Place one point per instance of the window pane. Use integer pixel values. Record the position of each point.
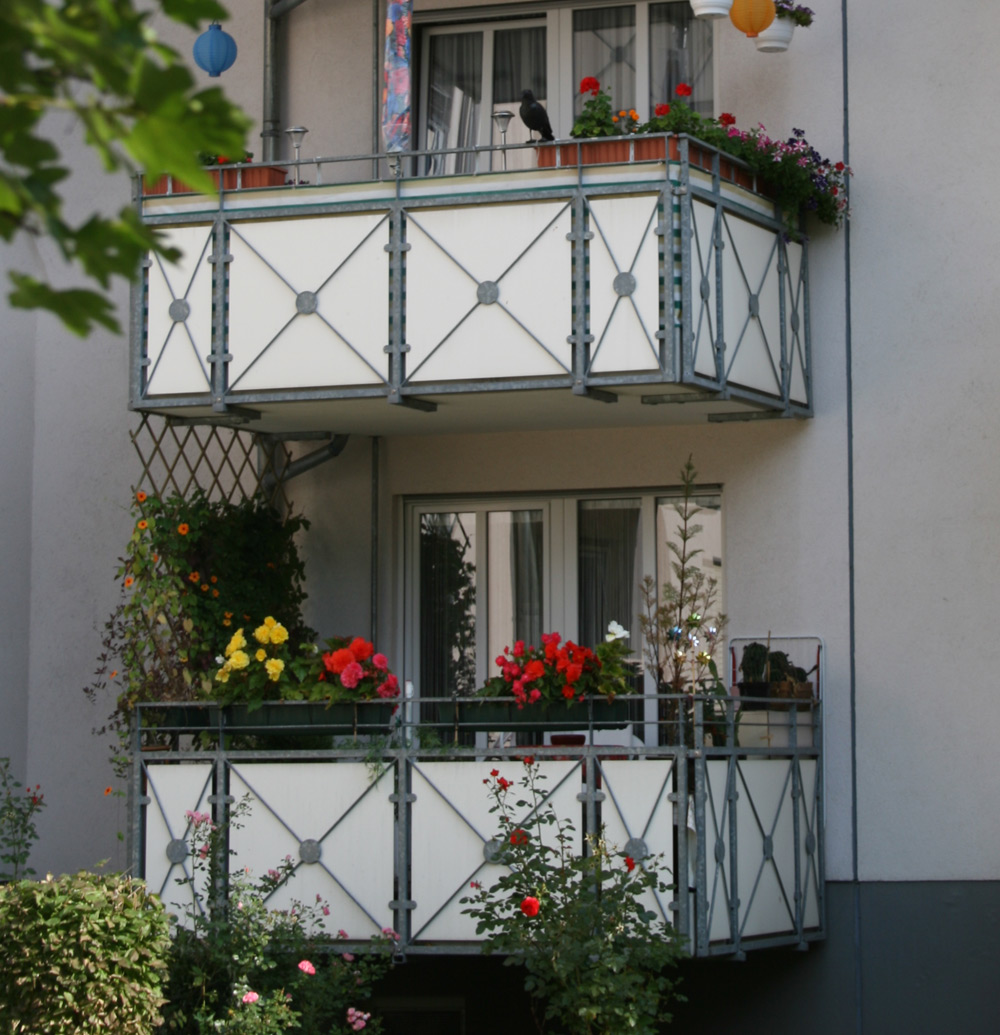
(454, 98)
(515, 579)
(447, 604)
(680, 51)
(518, 64)
(604, 47)
(608, 566)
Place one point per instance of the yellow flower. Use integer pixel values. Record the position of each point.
(270, 622)
(238, 642)
(275, 666)
(261, 654)
(239, 659)
(278, 633)
(222, 676)
(262, 634)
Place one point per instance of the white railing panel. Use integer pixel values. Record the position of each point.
(339, 259)
(174, 790)
(178, 348)
(452, 332)
(703, 311)
(624, 325)
(809, 823)
(347, 814)
(718, 883)
(637, 807)
(795, 322)
(452, 825)
(753, 345)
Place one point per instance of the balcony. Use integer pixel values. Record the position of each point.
(387, 818)
(397, 304)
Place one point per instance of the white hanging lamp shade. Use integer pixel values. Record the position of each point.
(711, 8)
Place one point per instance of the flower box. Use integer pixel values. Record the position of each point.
(273, 716)
(638, 149)
(249, 176)
(492, 713)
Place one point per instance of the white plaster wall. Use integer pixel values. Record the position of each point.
(926, 378)
(17, 400)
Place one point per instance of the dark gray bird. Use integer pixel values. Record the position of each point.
(535, 117)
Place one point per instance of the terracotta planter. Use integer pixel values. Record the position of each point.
(252, 176)
(642, 149)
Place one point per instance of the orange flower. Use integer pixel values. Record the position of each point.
(183, 528)
(215, 592)
(113, 674)
(128, 581)
(140, 497)
(143, 525)
(107, 791)
(633, 114)
(214, 579)
(204, 587)
(194, 577)
(614, 118)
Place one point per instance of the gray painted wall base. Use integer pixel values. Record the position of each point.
(928, 964)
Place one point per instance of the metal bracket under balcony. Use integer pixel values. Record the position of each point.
(502, 300)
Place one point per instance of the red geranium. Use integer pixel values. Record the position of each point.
(360, 674)
(530, 905)
(588, 84)
(726, 119)
(683, 90)
(661, 109)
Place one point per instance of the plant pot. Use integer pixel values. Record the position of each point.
(711, 8)
(776, 37)
(342, 717)
(791, 694)
(492, 713)
(252, 176)
(639, 148)
(750, 689)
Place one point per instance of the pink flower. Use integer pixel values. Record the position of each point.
(390, 933)
(348, 957)
(306, 967)
(251, 997)
(352, 675)
(380, 661)
(342, 933)
(326, 911)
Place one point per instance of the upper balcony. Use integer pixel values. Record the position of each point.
(484, 301)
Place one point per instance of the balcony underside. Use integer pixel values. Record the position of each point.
(549, 298)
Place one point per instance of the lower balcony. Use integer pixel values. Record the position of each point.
(386, 817)
(474, 302)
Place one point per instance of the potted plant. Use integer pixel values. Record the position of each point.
(228, 179)
(597, 120)
(559, 684)
(771, 674)
(778, 35)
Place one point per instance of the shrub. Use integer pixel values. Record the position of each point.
(84, 953)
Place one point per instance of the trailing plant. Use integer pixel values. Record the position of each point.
(17, 823)
(239, 966)
(193, 570)
(595, 956)
(558, 672)
(83, 953)
(801, 15)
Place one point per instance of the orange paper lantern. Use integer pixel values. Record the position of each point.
(751, 16)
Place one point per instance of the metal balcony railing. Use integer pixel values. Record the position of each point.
(670, 279)
(363, 800)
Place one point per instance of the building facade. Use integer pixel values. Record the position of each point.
(855, 497)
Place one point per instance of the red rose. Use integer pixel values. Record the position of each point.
(530, 906)
(629, 863)
(683, 90)
(662, 109)
(519, 837)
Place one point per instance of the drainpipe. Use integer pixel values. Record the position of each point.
(271, 114)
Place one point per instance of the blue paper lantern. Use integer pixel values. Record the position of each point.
(215, 50)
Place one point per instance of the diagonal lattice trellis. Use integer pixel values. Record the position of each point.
(225, 463)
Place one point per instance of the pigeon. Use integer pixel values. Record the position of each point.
(534, 116)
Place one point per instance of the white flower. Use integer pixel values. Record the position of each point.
(219, 659)
(615, 632)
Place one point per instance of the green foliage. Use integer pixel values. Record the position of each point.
(597, 119)
(594, 954)
(82, 954)
(797, 13)
(17, 823)
(193, 572)
(99, 63)
(240, 967)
